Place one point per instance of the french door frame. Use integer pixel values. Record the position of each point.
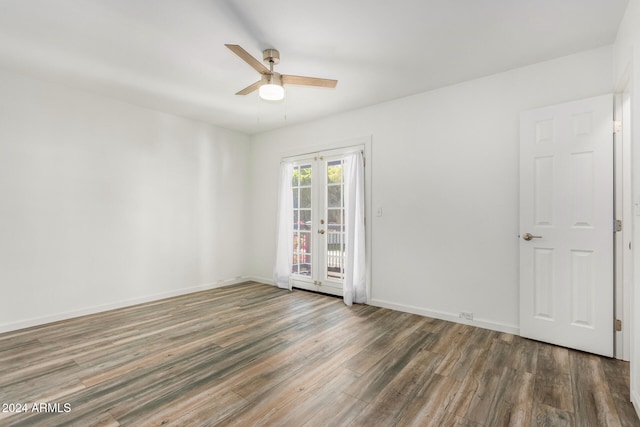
(334, 151)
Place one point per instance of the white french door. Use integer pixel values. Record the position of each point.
(319, 222)
(566, 224)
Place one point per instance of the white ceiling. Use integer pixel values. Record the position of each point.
(169, 55)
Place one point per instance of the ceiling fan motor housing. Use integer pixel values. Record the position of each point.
(271, 56)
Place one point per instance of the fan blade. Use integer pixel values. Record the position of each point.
(250, 88)
(308, 81)
(246, 57)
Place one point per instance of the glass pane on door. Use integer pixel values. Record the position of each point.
(335, 221)
(302, 244)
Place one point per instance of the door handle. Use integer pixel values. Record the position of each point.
(320, 231)
(529, 236)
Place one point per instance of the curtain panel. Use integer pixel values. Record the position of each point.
(354, 284)
(284, 232)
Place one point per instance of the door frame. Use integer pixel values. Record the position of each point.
(623, 211)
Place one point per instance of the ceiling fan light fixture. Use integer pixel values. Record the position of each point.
(271, 92)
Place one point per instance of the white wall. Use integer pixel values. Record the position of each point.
(104, 204)
(627, 73)
(445, 172)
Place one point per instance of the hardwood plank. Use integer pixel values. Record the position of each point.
(460, 404)
(467, 356)
(429, 405)
(591, 395)
(452, 420)
(525, 355)
(511, 403)
(269, 408)
(293, 360)
(339, 412)
(553, 378)
(299, 412)
(617, 374)
(373, 382)
(485, 396)
(384, 342)
(548, 416)
(470, 370)
(404, 396)
(207, 407)
(456, 358)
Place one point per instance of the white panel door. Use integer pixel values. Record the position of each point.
(566, 225)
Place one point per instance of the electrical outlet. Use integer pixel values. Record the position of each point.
(467, 316)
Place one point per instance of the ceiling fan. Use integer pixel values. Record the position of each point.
(270, 84)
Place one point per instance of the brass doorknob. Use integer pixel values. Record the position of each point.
(529, 236)
(320, 231)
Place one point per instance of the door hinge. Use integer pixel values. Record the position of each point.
(618, 325)
(617, 126)
(617, 225)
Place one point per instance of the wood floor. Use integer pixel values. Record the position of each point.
(253, 354)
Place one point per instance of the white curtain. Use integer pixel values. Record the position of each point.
(354, 286)
(284, 231)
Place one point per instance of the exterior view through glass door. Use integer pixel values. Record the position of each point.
(318, 223)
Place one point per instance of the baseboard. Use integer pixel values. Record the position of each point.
(451, 317)
(635, 400)
(37, 321)
(260, 280)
